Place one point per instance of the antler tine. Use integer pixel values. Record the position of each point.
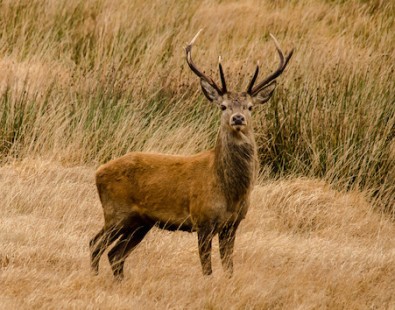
(195, 37)
(278, 48)
(283, 63)
(193, 67)
(221, 73)
(252, 82)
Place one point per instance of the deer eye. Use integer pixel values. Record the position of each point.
(223, 107)
(250, 108)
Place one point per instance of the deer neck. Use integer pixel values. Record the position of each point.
(235, 164)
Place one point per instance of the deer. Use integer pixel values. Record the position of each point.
(207, 193)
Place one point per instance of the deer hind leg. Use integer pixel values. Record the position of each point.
(93, 241)
(132, 236)
(226, 239)
(205, 237)
(100, 243)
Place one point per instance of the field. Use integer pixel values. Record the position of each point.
(82, 82)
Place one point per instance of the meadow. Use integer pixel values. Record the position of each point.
(82, 82)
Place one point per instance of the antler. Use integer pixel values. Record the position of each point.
(221, 73)
(283, 63)
(199, 73)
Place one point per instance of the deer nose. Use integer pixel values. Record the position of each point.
(238, 119)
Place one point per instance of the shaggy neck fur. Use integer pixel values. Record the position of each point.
(235, 160)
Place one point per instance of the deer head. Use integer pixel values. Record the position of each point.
(237, 106)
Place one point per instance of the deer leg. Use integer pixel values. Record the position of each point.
(125, 245)
(93, 241)
(100, 243)
(226, 239)
(205, 237)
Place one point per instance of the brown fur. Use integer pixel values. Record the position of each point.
(208, 193)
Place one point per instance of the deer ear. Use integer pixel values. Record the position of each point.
(265, 93)
(210, 92)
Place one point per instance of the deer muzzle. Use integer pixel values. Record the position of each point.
(238, 121)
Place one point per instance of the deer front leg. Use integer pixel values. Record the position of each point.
(227, 238)
(205, 237)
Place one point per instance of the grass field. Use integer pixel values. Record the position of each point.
(303, 245)
(82, 82)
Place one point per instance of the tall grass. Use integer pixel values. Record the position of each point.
(86, 81)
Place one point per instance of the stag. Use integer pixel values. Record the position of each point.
(207, 193)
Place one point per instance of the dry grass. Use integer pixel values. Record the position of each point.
(85, 81)
(303, 245)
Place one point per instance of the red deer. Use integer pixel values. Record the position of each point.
(207, 193)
